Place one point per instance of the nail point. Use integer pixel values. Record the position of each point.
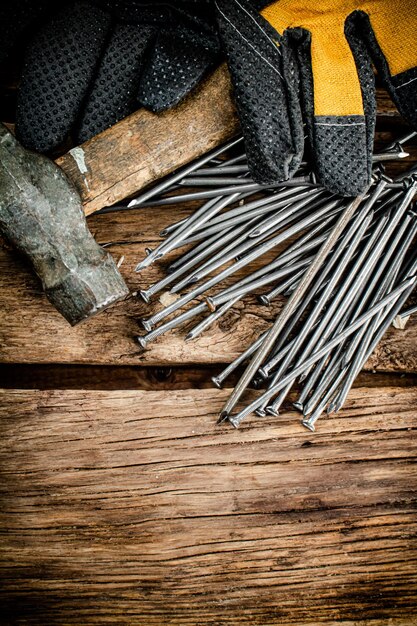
(222, 417)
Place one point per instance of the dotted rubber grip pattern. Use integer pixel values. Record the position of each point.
(95, 62)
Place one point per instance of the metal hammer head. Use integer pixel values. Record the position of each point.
(41, 214)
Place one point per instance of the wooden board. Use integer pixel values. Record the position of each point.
(119, 508)
(31, 331)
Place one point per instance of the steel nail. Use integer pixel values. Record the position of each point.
(349, 292)
(244, 286)
(346, 290)
(273, 409)
(172, 227)
(177, 238)
(249, 249)
(411, 311)
(274, 220)
(266, 298)
(220, 378)
(330, 372)
(225, 191)
(371, 340)
(180, 319)
(205, 323)
(312, 419)
(309, 384)
(354, 232)
(232, 218)
(353, 236)
(290, 307)
(381, 279)
(405, 287)
(213, 181)
(250, 256)
(201, 252)
(402, 140)
(248, 207)
(396, 152)
(222, 169)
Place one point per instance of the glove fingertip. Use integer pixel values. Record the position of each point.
(343, 159)
(266, 168)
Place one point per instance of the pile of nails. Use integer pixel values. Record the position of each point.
(347, 269)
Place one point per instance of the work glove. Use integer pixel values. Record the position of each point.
(92, 63)
(305, 68)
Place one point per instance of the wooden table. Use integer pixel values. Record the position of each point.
(124, 503)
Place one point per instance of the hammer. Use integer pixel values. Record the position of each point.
(43, 204)
(41, 214)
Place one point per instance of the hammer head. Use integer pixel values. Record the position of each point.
(41, 214)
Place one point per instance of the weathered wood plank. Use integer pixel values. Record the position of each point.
(118, 508)
(31, 331)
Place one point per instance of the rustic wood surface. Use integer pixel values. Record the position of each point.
(27, 321)
(31, 331)
(146, 146)
(117, 508)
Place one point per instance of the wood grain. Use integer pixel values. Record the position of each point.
(119, 508)
(31, 331)
(146, 146)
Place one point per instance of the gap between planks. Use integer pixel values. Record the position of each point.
(28, 376)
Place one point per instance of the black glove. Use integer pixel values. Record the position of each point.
(310, 63)
(92, 63)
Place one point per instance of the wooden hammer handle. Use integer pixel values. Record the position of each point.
(144, 146)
